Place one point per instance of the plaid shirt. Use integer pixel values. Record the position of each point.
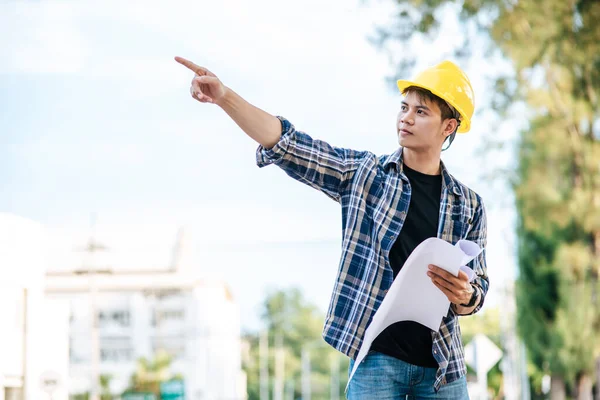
(375, 194)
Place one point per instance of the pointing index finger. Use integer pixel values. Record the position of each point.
(190, 65)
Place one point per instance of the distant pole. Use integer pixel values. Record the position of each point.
(598, 375)
(306, 390)
(263, 351)
(92, 247)
(289, 390)
(24, 349)
(95, 357)
(279, 368)
(335, 377)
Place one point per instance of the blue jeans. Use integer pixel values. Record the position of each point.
(383, 377)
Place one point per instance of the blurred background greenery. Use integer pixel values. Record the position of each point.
(553, 47)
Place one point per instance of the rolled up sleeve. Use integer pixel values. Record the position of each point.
(311, 161)
(265, 156)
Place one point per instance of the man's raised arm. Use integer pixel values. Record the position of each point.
(261, 126)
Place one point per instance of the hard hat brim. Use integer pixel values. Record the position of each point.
(465, 123)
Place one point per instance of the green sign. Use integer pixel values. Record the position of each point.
(172, 390)
(138, 396)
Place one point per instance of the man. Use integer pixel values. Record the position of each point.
(389, 205)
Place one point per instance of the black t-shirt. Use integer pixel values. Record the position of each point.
(408, 340)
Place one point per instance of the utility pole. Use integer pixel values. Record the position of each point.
(279, 368)
(289, 390)
(91, 248)
(263, 351)
(306, 389)
(95, 340)
(335, 377)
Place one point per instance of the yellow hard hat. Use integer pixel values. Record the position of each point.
(447, 81)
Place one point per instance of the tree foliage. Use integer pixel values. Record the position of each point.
(297, 325)
(150, 373)
(554, 50)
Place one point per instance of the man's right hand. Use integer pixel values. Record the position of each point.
(206, 87)
(258, 124)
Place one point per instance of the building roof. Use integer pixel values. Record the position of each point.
(123, 281)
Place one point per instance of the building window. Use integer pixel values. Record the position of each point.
(114, 317)
(113, 355)
(75, 355)
(115, 349)
(168, 316)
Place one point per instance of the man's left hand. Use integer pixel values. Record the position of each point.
(456, 288)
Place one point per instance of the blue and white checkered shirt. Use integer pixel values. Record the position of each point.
(375, 194)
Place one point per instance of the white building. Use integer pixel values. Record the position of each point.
(34, 352)
(140, 312)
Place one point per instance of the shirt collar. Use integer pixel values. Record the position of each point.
(395, 159)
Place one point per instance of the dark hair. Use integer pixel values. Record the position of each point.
(426, 95)
(446, 110)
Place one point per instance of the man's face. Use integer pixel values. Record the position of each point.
(419, 124)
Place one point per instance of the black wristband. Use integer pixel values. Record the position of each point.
(473, 299)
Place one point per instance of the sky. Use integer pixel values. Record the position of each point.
(96, 118)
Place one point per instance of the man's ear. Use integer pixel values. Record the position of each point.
(450, 127)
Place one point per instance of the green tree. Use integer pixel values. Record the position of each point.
(297, 325)
(554, 50)
(105, 393)
(149, 374)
